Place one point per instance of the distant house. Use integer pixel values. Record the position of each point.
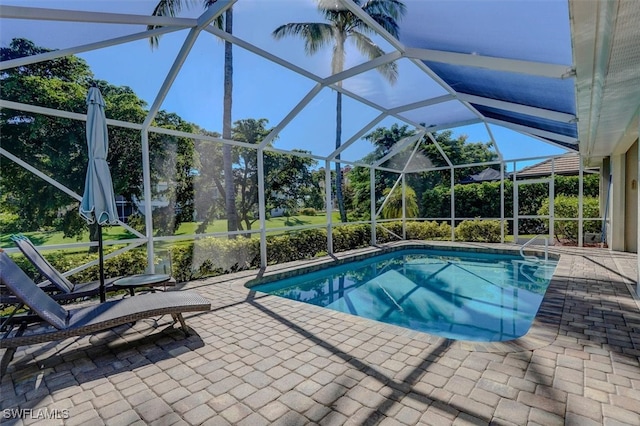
(566, 166)
(487, 175)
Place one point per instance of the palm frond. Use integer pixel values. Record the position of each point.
(170, 8)
(393, 8)
(315, 35)
(386, 13)
(389, 24)
(367, 47)
(219, 21)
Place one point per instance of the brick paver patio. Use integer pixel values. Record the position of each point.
(259, 359)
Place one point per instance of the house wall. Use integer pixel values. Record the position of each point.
(631, 199)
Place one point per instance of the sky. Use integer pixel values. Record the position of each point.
(263, 89)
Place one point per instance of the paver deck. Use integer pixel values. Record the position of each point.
(259, 359)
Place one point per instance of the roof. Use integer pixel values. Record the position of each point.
(606, 40)
(567, 166)
(487, 175)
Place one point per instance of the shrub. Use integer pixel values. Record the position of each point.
(384, 236)
(127, 263)
(477, 230)
(181, 261)
(296, 246)
(483, 199)
(350, 237)
(428, 231)
(415, 231)
(308, 211)
(9, 223)
(136, 221)
(567, 207)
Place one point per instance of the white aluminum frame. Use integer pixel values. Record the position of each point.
(202, 24)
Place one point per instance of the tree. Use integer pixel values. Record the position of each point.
(383, 139)
(176, 169)
(209, 181)
(393, 208)
(172, 8)
(57, 146)
(288, 176)
(459, 152)
(343, 25)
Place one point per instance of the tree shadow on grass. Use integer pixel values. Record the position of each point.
(295, 221)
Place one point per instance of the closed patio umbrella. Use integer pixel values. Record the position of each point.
(98, 201)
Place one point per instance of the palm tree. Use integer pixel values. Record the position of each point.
(342, 25)
(172, 8)
(393, 208)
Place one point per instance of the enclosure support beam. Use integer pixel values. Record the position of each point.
(54, 54)
(327, 192)
(552, 200)
(618, 202)
(404, 207)
(519, 108)
(372, 186)
(489, 62)
(535, 132)
(262, 210)
(398, 181)
(43, 14)
(357, 136)
(502, 202)
(580, 203)
(292, 114)
(515, 205)
(41, 175)
(453, 206)
(453, 125)
(495, 143)
(203, 20)
(440, 150)
(386, 200)
(399, 146)
(148, 211)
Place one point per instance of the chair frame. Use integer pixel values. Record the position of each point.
(64, 323)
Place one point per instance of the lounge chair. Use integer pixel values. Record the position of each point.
(61, 288)
(62, 323)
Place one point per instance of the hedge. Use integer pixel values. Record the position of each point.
(483, 199)
(216, 256)
(567, 207)
(486, 231)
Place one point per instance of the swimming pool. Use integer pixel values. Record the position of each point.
(455, 294)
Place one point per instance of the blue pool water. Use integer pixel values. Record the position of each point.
(458, 295)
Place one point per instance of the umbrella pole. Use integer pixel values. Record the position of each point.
(101, 261)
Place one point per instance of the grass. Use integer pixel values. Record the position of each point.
(188, 228)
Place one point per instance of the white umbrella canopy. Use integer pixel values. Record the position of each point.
(98, 201)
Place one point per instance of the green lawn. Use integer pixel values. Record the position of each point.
(119, 233)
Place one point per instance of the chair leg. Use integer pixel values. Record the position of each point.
(183, 325)
(6, 359)
(8, 355)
